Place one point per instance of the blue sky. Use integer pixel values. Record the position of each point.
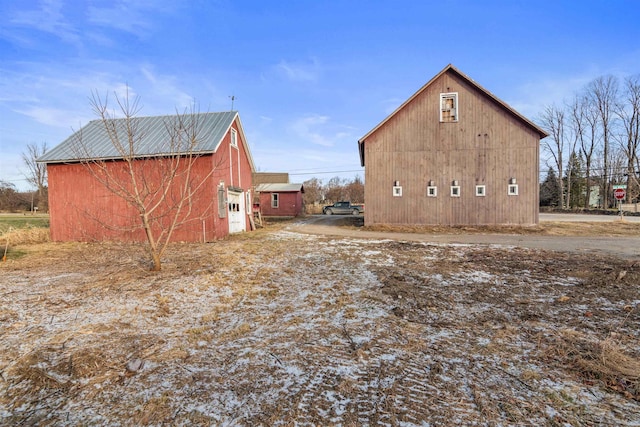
(309, 77)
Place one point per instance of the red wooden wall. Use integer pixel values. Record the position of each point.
(83, 209)
(290, 204)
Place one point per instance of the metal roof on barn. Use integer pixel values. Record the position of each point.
(151, 137)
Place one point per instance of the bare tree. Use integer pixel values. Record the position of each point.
(37, 172)
(159, 191)
(553, 121)
(603, 93)
(588, 143)
(577, 125)
(354, 190)
(618, 164)
(334, 190)
(313, 192)
(9, 197)
(629, 113)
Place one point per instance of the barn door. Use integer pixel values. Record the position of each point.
(236, 212)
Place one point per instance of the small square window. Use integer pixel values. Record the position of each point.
(512, 189)
(397, 191)
(481, 190)
(432, 191)
(455, 191)
(449, 107)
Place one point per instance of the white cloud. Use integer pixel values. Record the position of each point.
(47, 17)
(299, 72)
(49, 116)
(78, 24)
(127, 16)
(531, 97)
(307, 130)
(167, 87)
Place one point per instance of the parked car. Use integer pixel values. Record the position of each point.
(343, 208)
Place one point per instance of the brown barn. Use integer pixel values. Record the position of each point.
(83, 209)
(280, 199)
(452, 154)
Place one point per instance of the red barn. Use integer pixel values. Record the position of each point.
(280, 199)
(85, 173)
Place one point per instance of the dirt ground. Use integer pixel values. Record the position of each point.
(599, 236)
(279, 327)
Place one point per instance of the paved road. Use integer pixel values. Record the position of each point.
(625, 247)
(585, 218)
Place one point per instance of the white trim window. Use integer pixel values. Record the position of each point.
(234, 138)
(275, 200)
(397, 191)
(481, 190)
(432, 191)
(512, 190)
(455, 191)
(449, 107)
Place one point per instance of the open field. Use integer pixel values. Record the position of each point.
(16, 221)
(281, 328)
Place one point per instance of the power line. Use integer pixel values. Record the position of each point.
(323, 173)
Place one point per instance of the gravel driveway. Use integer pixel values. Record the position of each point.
(625, 247)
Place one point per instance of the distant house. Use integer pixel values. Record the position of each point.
(452, 154)
(82, 209)
(278, 199)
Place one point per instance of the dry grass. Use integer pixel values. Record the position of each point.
(613, 228)
(20, 237)
(602, 361)
(279, 328)
(25, 236)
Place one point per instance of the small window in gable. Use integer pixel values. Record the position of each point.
(234, 138)
(449, 107)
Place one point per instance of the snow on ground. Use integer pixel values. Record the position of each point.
(283, 328)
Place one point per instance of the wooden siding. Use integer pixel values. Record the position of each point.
(486, 146)
(289, 204)
(82, 209)
(270, 178)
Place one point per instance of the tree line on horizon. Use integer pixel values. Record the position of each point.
(593, 145)
(335, 190)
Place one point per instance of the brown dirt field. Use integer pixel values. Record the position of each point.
(281, 328)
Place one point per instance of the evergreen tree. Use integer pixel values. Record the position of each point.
(549, 194)
(577, 187)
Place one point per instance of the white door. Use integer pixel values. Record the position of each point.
(236, 212)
